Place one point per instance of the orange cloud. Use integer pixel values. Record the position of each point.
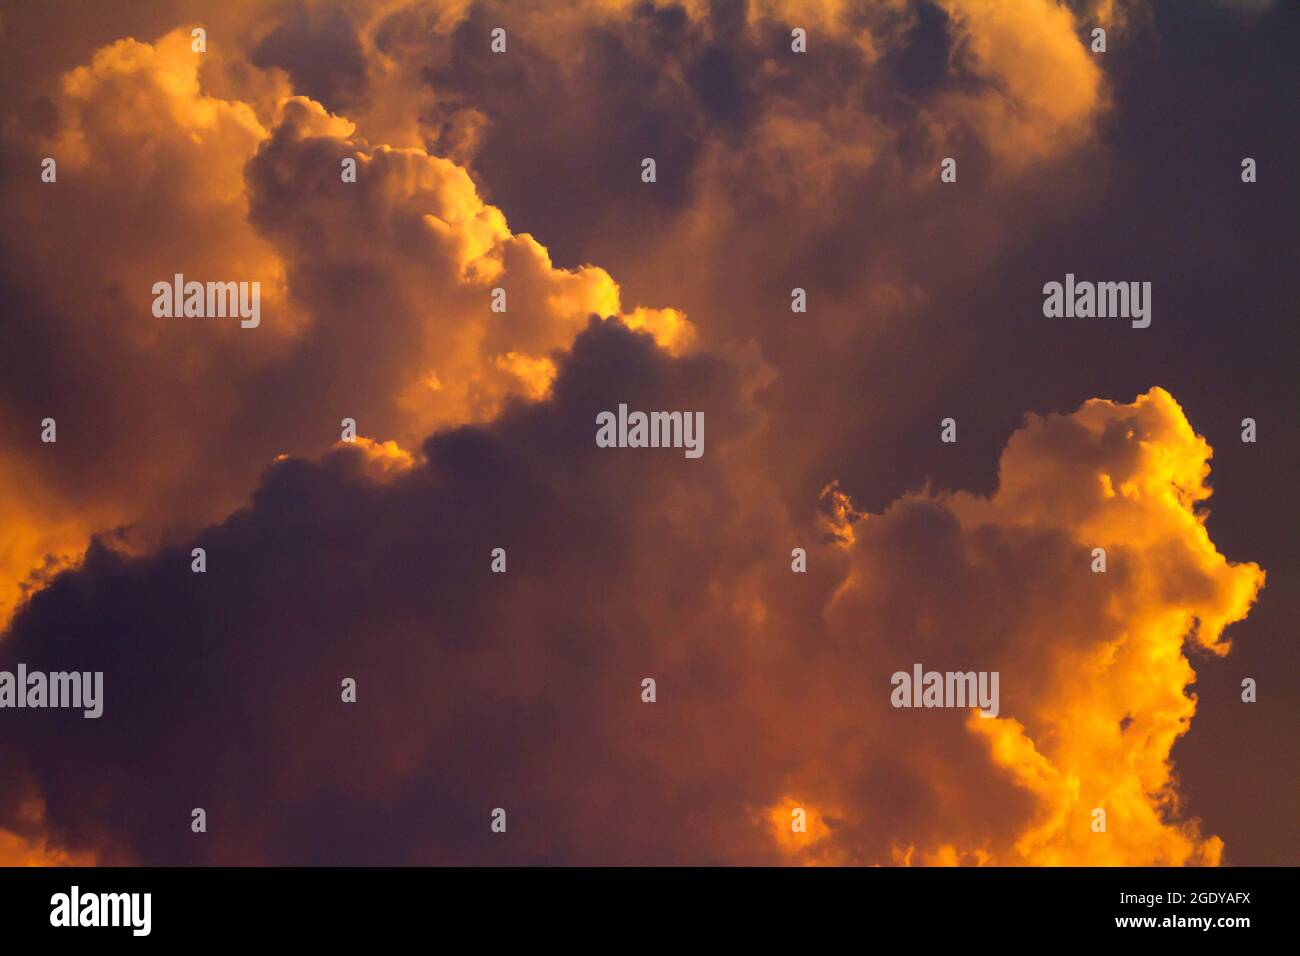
(376, 304)
(1047, 86)
(17, 849)
(1095, 676)
(801, 832)
(149, 155)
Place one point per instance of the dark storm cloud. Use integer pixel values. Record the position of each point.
(476, 690)
(653, 81)
(617, 97)
(320, 50)
(522, 690)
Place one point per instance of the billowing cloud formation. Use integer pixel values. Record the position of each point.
(522, 690)
(376, 298)
(1093, 674)
(776, 170)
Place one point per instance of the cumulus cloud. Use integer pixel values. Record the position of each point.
(375, 297)
(521, 690)
(776, 171)
(1094, 675)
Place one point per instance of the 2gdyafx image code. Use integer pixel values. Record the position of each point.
(624, 433)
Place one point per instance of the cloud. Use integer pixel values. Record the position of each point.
(320, 50)
(522, 690)
(1096, 673)
(375, 297)
(420, 638)
(1044, 87)
(776, 170)
(413, 241)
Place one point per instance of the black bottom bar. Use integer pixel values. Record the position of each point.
(668, 906)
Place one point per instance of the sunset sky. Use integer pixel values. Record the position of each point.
(776, 170)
